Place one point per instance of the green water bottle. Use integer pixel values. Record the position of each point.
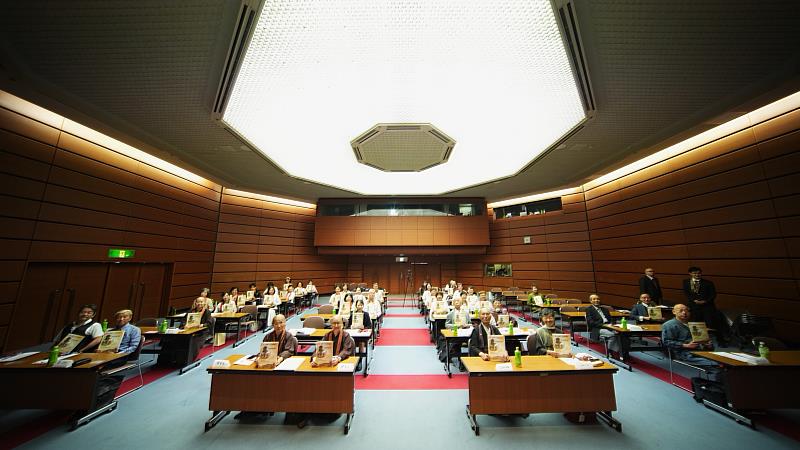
(517, 357)
(763, 350)
(104, 325)
(162, 327)
(623, 324)
(510, 329)
(53, 357)
(455, 329)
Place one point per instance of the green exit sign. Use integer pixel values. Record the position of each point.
(121, 253)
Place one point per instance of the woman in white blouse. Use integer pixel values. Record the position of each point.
(271, 297)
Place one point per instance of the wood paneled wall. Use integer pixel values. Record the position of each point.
(260, 241)
(64, 198)
(731, 207)
(558, 259)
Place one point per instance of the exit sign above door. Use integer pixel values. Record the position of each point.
(121, 253)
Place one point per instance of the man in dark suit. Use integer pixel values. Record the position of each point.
(596, 317)
(479, 340)
(700, 297)
(649, 284)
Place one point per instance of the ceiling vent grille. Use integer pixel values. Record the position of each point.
(570, 32)
(403, 147)
(245, 24)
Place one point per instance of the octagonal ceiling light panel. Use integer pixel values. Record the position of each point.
(402, 147)
(494, 75)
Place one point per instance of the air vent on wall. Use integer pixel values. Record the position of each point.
(244, 26)
(569, 30)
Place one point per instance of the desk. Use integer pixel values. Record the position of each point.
(572, 316)
(24, 385)
(750, 388)
(178, 349)
(306, 390)
(542, 385)
(363, 337)
(624, 336)
(222, 319)
(449, 338)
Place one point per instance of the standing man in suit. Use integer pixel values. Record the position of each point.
(649, 284)
(700, 296)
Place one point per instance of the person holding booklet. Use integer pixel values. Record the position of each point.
(541, 342)
(639, 312)
(85, 326)
(479, 340)
(337, 297)
(677, 337)
(228, 304)
(360, 319)
(287, 344)
(343, 343)
(131, 335)
(271, 297)
(200, 306)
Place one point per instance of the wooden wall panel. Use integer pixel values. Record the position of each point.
(67, 199)
(260, 241)
(729, 207)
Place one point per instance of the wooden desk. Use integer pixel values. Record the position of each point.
(751, 388)
(224, 318)
(178, 349)
(572, 316)
(306, 390)
(624, 336)
(24, 385)
(543, 384)
(361, 338)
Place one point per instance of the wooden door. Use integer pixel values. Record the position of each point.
(85, 284)
(400, 274)
(122, 288)
(35, 320)
(150, 292)
(430, 272)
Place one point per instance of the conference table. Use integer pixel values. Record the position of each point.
(221, 321)
(363, 337)
(756, 387)
(305, 389)
(179, 347)
(625, 337)
(543, 384)
(83, 389)
(462, 337)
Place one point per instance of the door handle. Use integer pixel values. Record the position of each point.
(130, 295)
(45, 323)
(141, 298)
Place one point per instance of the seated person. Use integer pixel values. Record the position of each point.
(256, 292)
(639, 311)
(596, 317)
(541, 342)
(479, 340)
(439, 305)
(86, 326)
(459, 316)
(471, 299)
(200, 306)
(346, 307)
(483, 303)
(287, 344)
(677, 338)
(367, 322)
(311, 289)
(372, 306)
(300, 293)
(358, 295)
(132, 335)
(343, 343)
(228, 303)
(204, 295)
(497, 309)
(337, 297)
(535, 299)
(271, 298)
(287, 285)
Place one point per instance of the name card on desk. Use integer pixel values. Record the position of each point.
(504, 367)
(464, 332)
(173, 330)
(221, 364)
(345, 367)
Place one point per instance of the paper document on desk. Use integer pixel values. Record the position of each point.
(302, 331)
(290, 364)
(345, 367)
(243, 361)
(578, 364)
(634, 328)
(359, 333)
(17, 356)
(745, 358)
(464, 332)
(44, 361)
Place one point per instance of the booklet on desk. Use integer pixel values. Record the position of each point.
(268, 354)
(497, 347)
(324, 353)
(562, 344)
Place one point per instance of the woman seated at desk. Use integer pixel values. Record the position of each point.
(343, 343)
(228, 303)
(366, 323)
(346, 306)
(200, 306)
(271, 297)
(358, 295)
(372, 306)
(541, 342)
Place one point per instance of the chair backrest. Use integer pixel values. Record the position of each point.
(314, 322)
(250, 309)
(569, 309)
(134, 356)
(573, 301)
(771, 343)
(147, 322)
(557, 301)
(325, 309)
(550, 296)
